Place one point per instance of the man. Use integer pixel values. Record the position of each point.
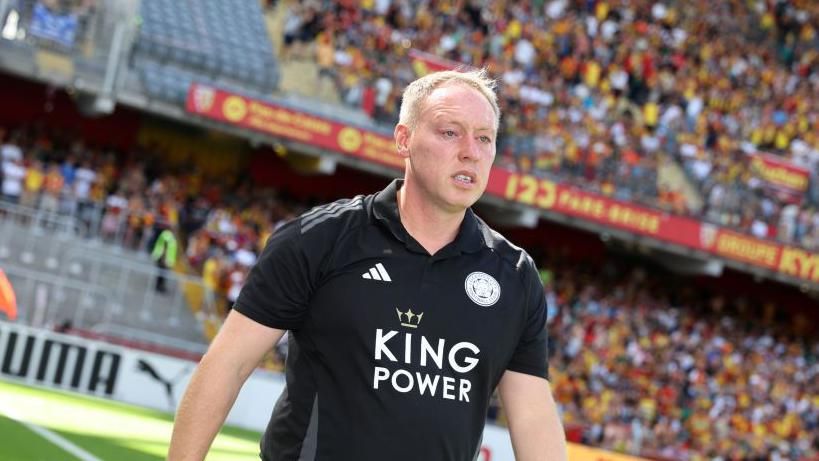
(14, 173)
(164, 255)
(405, 311)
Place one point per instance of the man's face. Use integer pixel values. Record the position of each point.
(451, 148)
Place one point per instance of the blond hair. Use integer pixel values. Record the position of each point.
(418, 91)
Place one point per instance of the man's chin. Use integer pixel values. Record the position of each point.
(460, 204)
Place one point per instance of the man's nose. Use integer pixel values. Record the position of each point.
(470, 149)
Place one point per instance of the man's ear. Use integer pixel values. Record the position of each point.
(402, 135)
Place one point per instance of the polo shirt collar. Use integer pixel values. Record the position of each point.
(470, 238)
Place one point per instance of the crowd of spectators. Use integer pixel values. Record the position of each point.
(125, 198)
(679, 374)
(226, 236)
(97, 191)
(604, 92)
(635, 367)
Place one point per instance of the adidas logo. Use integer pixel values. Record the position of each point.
(377, 273)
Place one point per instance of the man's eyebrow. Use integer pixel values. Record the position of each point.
(460, 124)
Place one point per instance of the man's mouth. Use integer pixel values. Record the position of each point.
(464, 178)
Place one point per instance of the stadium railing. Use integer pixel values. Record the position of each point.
(85, 222)
(61, 275)
(37, 220)
(46, 300)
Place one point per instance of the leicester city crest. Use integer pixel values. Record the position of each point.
(482, 289)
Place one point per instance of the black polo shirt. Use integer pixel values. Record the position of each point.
(393, 353)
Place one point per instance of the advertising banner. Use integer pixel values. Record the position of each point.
(568, 200)
(298, 126)
(799, 263)
(45, 358)
(740, 247)
(781, 176)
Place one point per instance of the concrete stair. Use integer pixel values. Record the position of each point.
(672, 176)
(299, 75)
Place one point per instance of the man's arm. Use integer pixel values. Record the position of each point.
(231, 358)
(534, 425)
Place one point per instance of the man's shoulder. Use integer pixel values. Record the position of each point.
(505, 249)
(334, 215)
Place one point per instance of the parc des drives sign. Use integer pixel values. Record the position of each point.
(276, 120)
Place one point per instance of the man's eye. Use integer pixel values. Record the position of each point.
(485, 139)
(449, 133)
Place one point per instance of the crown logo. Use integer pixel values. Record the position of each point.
(409, 315)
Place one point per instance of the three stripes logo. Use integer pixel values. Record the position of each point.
(321, 214)
(377, 273)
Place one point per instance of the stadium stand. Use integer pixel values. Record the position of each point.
(602, 95)
(643, 368)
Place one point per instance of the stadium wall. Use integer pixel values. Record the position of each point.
(45, 358)
(26, 103)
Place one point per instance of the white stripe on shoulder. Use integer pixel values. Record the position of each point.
(325, 208)
(330, 209)
(312, 221)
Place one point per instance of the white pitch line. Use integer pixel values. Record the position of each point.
(52, 437)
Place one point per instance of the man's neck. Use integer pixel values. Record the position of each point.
(430, 227)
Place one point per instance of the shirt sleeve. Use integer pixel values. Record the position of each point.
(280, 284)
(531, 354)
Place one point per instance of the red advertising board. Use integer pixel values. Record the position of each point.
(526, 189)
(299, 126)
(568, 200)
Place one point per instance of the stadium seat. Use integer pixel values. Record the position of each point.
(211, 38)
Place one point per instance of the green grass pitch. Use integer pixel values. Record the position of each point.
(107, 430)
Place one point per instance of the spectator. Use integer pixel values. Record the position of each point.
(32, 185)
(13, 175)
(164, 254)
(10, 150)
(53, 184)
(113, 218)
